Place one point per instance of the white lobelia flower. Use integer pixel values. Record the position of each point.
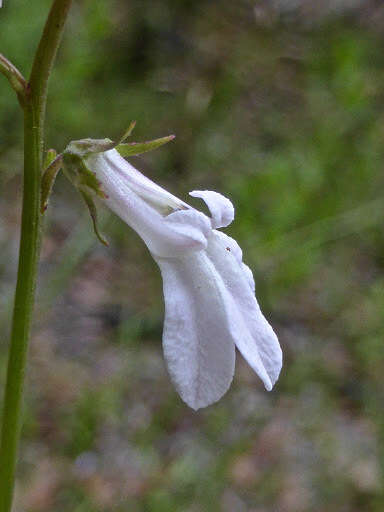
(210, 304)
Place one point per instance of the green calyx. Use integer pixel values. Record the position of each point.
(73, 163)
(137, 148)
(86, 147)
(78, 173)
(84, 180)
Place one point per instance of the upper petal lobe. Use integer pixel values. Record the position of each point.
(221, 208)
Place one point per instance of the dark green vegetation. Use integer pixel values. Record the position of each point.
(283, 111)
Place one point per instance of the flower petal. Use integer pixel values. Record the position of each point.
(162, 200)
(197, 341)
(253, 335)
(249, 276)
(221, 208)
(191, 224)
(132, 198)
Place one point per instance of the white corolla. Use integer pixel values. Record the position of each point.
(210, 304)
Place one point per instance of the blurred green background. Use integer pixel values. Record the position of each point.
(278, 105)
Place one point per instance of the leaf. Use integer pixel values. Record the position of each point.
(137, 148)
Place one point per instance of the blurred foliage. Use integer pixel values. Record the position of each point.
(278, 105)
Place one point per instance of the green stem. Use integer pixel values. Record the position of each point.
(34, 114)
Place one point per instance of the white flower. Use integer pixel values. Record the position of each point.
(210, 304)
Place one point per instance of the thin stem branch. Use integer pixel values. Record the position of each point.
(15, 78)
(34, 114)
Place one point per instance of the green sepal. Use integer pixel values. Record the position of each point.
(88, 178)
(49, 177)
(50, 155)
(80, 175)
(93, 212)
(128, 132)
(84, 180)
(86, 147)
(137, 148)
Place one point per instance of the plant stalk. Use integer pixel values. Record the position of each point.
(34, 114)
